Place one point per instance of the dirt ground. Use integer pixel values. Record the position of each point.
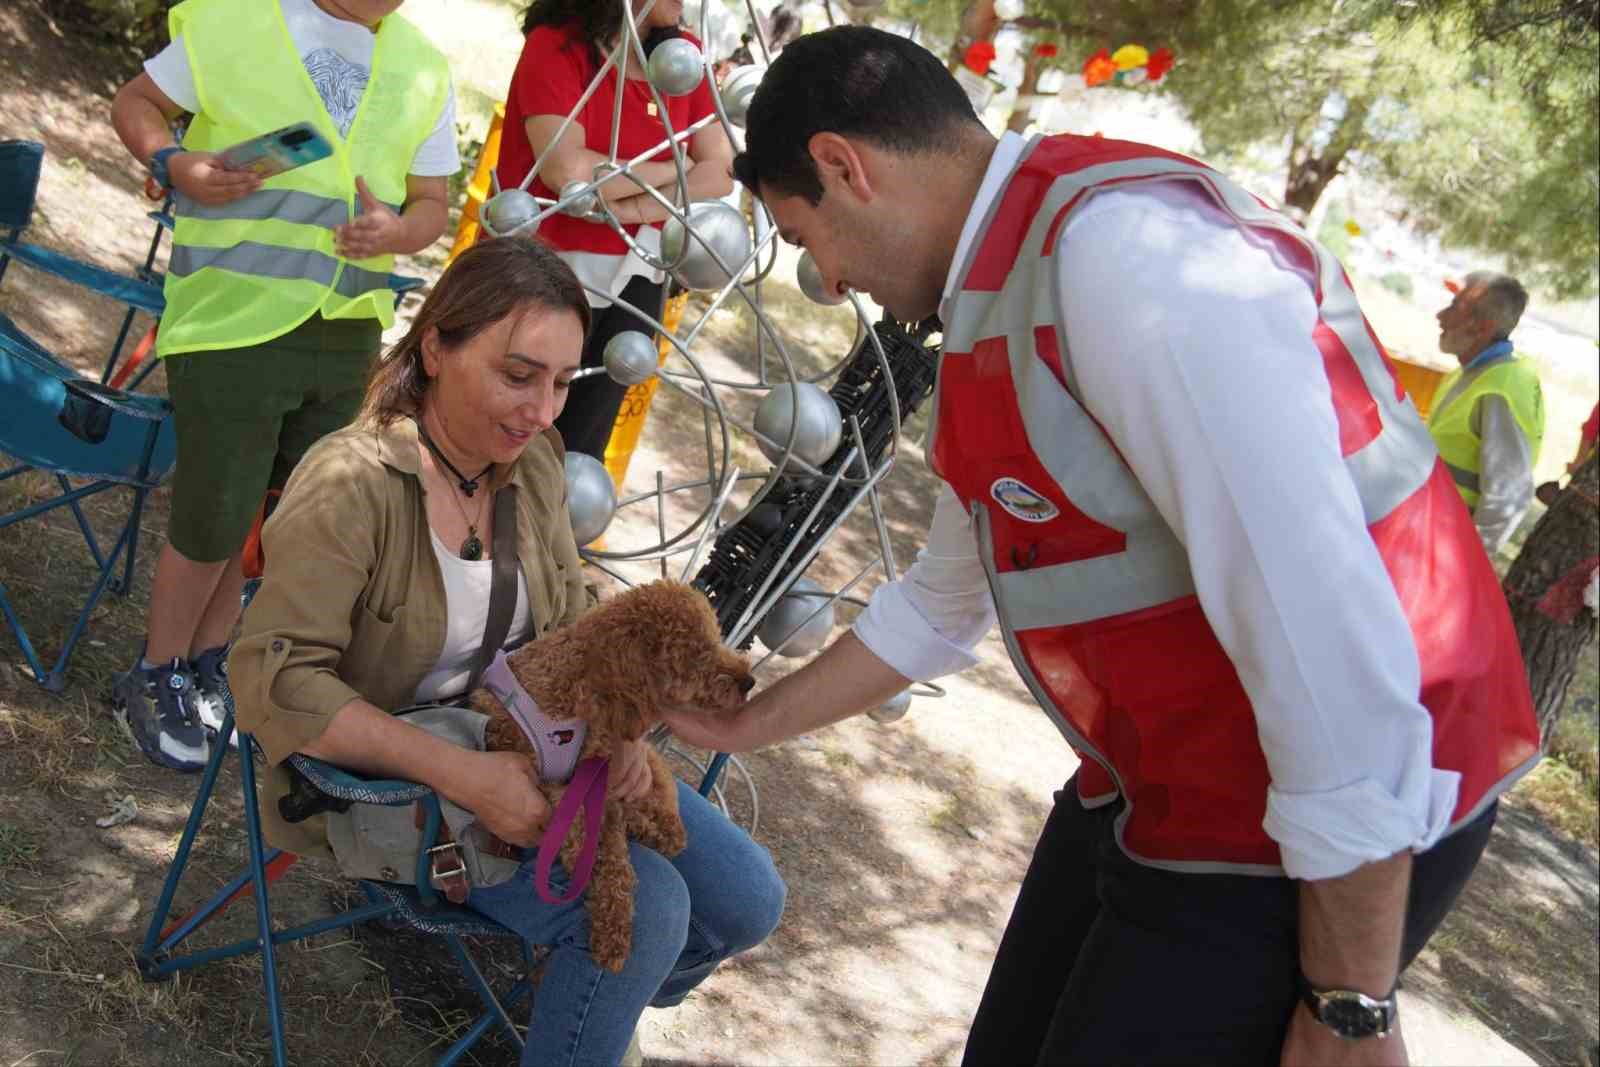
(902, 845)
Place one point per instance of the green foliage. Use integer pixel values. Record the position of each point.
(139, 23)
(1398, 283)
(1332, 235)
(1484, 124)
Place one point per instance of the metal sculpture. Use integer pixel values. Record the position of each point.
(830, 438)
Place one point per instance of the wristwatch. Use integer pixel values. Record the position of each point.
(158, 164)
(1350, 1014)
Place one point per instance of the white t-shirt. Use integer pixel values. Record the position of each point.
(338, 56)
(466, 597)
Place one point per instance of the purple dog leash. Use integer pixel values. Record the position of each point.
(587, 790)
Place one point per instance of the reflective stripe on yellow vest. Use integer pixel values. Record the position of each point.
(249, 271)
(1452, 424)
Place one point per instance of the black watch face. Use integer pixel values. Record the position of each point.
(1350, 1017)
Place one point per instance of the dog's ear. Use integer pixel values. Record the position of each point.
(616, 689)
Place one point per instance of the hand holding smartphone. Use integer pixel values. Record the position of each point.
(279, 151)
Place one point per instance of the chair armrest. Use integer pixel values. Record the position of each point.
(340, 784)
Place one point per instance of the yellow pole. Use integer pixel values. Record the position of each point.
(478, 188)
(636, 402)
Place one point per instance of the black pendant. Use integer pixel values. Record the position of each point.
(472, 548)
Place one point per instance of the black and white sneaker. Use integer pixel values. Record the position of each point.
(158, 706)
(210, 681)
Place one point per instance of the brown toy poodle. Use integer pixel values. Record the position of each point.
(650, 647)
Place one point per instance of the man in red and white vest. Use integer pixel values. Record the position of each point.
(1221, 548)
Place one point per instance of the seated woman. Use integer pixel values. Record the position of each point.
(376, 597)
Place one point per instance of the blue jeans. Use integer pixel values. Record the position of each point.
(720, 896)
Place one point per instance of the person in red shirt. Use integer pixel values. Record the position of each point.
(1587, 437)
(567, 43)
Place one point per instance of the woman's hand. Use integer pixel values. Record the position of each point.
(630, 775)
(508, 800)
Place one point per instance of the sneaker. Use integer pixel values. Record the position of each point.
(158, 706)
(210, 679)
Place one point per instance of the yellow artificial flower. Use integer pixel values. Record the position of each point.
(1129, 56)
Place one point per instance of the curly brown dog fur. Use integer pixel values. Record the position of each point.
(651, 647)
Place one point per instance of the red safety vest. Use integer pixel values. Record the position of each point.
(1093, 589)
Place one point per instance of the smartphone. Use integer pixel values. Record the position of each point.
(278, 151)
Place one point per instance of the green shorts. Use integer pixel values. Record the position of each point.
(245, 416)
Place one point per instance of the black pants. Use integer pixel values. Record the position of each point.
(593, 402)
(1108, 961)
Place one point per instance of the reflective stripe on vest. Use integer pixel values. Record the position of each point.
(1106, 630)
(1153, 569)
(247, 271)
(1451, 422)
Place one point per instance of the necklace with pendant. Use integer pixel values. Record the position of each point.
(472, 547)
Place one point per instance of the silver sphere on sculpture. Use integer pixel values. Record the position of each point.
(676, 67)
(892, 710)
(811, 283)
(508, 212)
(630, 358)
(591, 498)
(738, 89)
(788, 618)
(576, 202)
(719, 225)
(820, 426)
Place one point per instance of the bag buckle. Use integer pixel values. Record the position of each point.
(434, 862)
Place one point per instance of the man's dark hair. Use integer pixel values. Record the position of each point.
(850, 80)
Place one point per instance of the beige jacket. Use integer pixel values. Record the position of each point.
(353, 601)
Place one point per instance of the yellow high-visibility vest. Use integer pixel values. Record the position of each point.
(246, 272)
(1451, 425)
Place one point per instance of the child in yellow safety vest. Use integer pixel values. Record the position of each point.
(277, 288)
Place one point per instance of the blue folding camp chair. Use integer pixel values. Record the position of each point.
(420, 908)
(54, 421)
(20, 165)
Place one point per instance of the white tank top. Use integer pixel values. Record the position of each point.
(466, 592)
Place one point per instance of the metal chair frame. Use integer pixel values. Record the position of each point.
(422, 908)
(14, 344)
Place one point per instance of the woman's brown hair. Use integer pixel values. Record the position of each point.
(486, 283)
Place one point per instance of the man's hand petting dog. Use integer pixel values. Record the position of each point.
(630, 772)
(709, 729)
(509, 803)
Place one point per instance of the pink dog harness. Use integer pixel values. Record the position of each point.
(558, 742)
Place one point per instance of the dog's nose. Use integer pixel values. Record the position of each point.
(746, 684)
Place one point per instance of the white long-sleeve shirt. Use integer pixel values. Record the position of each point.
(1505, 463)
(1191, 346)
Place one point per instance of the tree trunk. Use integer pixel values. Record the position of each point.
(1310, 172)
(1022, 111)
(1558, 553)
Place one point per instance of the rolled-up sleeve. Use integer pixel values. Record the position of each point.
(321, 548)
(1204, 373)
(926, 624)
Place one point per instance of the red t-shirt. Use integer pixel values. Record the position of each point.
(555, 68)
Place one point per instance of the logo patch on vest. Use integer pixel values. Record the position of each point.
(1021, 502)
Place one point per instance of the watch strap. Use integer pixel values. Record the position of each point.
(1349, 1013)
(158, 164)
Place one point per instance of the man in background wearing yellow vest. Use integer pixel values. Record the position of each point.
(277, 289)
(1489, 419)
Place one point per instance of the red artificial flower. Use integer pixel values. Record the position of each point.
(1045, 51)
(1160, 62)
(1099, 68)
(980, 55)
